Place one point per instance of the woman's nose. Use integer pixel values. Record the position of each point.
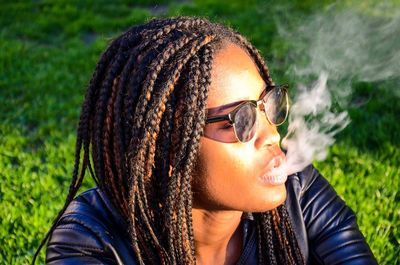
(266, 133)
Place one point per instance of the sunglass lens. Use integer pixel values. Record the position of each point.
(245, 120)
(276, 105)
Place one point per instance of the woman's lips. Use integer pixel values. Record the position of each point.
(274, 175)
(273, 179)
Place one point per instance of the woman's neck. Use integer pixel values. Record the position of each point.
(217, 236)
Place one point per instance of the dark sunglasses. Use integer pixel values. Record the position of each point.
(274, 103)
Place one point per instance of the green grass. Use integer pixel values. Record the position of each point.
(48, 52)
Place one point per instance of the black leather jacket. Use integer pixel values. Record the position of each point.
(92, 232)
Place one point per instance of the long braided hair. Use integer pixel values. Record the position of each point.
(141, 122)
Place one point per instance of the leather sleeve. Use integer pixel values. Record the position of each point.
(332, 230)
(72, 242)
(87, 234)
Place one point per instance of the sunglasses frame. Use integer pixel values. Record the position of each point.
(255, 103)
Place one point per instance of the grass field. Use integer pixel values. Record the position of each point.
(48, 50)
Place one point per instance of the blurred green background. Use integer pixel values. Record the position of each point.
(48, 51)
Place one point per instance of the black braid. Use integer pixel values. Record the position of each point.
(143, 115)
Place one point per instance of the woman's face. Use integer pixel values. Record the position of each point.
(228, 175)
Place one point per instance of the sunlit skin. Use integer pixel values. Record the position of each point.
(229, 184)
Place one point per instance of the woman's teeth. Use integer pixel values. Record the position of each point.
(274, 179)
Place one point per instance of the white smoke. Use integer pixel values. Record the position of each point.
(336, 47)
(312, 126)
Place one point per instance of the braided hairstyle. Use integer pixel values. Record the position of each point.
(141, 121)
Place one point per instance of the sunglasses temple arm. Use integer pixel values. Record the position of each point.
(217, 119)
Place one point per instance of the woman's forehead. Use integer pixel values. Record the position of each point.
(234, 77)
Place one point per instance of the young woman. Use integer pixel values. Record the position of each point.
(178, 129)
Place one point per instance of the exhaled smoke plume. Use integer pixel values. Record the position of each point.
(312, 126)
(337, 47)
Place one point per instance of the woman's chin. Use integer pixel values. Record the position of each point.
(273, 197)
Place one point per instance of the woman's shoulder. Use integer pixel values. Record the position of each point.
(304, 179)
(313, 197)
(90, 231)
(323, 221)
